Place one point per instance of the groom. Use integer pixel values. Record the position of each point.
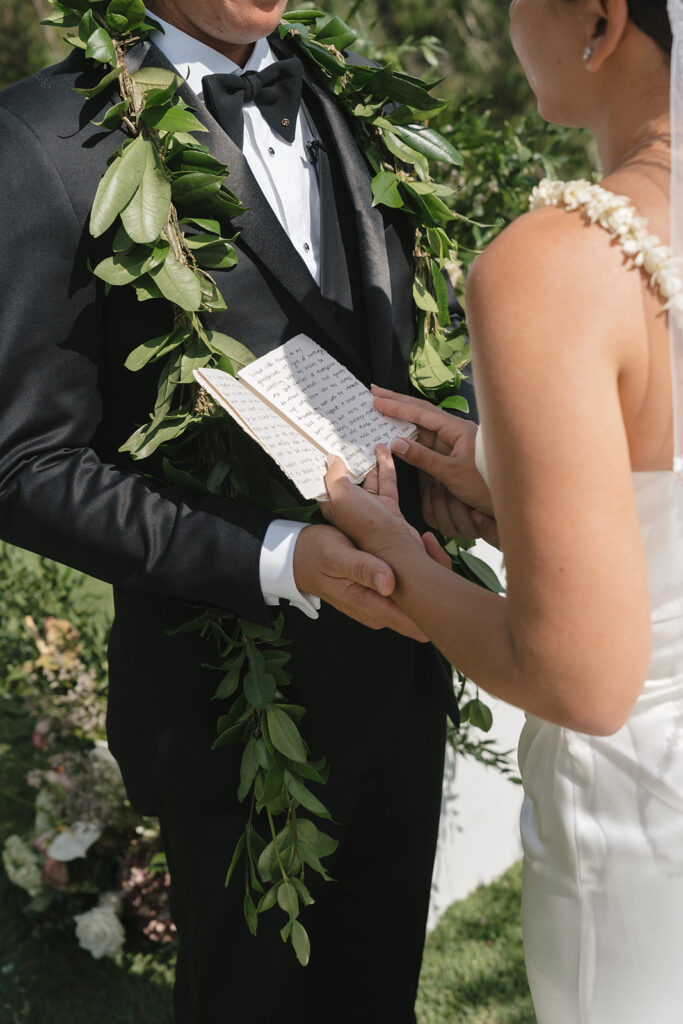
(314, 257)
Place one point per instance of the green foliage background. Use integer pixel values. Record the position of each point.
(476, 54)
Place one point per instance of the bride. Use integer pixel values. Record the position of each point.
(569, 316)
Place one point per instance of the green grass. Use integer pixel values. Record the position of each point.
(473, 969)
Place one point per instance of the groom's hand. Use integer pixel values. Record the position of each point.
(329, 565)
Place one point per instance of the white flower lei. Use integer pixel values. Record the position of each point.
(616, 215)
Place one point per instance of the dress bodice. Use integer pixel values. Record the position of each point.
(659, 501)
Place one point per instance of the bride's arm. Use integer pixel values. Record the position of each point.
(554, 319)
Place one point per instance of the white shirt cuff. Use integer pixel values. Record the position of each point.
(276, 568)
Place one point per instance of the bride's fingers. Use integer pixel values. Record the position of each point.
(453, 518)
(415, 454)
(415, 410)
(435, 551)
(386, 472)
(387, 393)
(487, 528)
(430, 439)
(427, 505)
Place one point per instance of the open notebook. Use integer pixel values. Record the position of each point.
(300, 405)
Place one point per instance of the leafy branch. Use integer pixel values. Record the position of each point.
(389, 112)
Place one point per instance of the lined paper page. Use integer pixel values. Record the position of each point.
(322, 397)
(303, 463)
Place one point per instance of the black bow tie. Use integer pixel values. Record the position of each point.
(276, 91)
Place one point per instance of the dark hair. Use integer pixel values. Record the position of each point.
(652, 18)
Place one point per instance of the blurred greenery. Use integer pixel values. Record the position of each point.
(30, 585)
(476, 53)
(25, 47)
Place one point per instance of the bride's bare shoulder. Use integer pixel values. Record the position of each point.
(548, 243)
(553, 258)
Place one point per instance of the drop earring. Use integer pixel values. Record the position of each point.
(587, 53)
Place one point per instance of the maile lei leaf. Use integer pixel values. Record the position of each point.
(163, 170)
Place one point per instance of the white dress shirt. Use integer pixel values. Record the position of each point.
(288, 180)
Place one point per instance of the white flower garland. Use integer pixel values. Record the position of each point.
(616, 215)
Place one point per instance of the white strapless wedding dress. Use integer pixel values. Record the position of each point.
(602, 824)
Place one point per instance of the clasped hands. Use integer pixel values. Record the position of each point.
(348, 564)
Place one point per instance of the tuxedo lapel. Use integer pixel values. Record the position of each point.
(335, 283)
(260, 231)
(370, 229)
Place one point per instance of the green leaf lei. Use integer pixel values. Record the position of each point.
(160, 170)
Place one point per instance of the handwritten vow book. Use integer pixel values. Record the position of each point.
(301, 405)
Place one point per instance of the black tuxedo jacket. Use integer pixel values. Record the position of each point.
(68, 403)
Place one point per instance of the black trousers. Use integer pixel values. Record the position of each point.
(367, 926)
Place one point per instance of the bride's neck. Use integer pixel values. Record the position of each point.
(630, 117)
(642, 139)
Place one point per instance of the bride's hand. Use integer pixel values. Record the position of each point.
(455, 497)
(370, 515)
(451, 517)
(444, 447)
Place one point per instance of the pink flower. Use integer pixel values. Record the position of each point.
(40, 731)
(55, 873)
(41, 842)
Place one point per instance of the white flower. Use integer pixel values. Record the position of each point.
(668, 280)
(631, 246)
(48, 810)
(577, 193)
(74, 842)
(101, 752)
(675, 308)
(618, 220)
(110, 901)
(655, 256)
(102, 757)
(21, 865)
(99, 932)
(546, 193)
